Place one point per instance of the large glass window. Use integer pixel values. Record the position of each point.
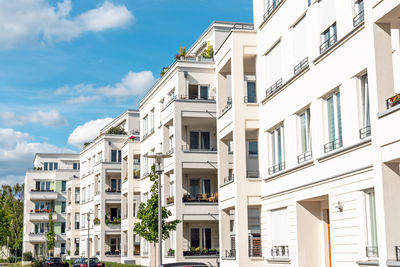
(253, 148)
(63, 186)
(328, 37)
(277, 146)
(194, 188)
(63, 206)
(305, 140)
(206, 238)
(365, 110)
(273, 65)
(206, 186)
(334, 122)
(115, 155)
(198, 91)
(251, 92)
(372, 233)
(195, 237)
(76, 166)
(199, 140)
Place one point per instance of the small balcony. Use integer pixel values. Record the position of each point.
(229, 178)
(274, 5)
(41, 216)
(358, 19)
(186, 148)
(332, 145)
(365, 132)
(301, 66)
(229, 254)
(199, 252)
(328, 43)
(37, 238)
(250, 99)
(43, 195)
(304, 157)
(276, 168)
(196, 97)
(280, 251)
(201, 198)
(393, 101)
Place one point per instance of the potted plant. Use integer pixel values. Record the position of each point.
(208, 52)
(171, 252)
(186, 197)
(96, 221)
(182, 53)
(170, 200)
(163, 71)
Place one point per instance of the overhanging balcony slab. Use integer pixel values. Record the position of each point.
(43, 195)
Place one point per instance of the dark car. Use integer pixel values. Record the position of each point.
(53, 262)
(82, 262)
(184, 264)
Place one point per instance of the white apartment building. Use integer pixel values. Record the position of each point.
(45, 192)
(95, 223)
(327, 72)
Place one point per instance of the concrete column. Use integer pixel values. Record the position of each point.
(221, 92)
(224, 231)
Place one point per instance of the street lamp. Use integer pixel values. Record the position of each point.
(159, 158)
(88, 237)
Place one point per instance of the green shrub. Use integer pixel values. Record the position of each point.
(37, 263)
(12, 259)
(27, 256)
(116, 130)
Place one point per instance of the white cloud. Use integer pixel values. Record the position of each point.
(87, 132)
(49, 118)
(24, 21)
(133, 84)
(17, 150)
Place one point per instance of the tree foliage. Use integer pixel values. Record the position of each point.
(50, 235)
(116, 130)
(208, 52)
(148, 214)
(11, 217)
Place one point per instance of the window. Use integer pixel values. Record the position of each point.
(195, 237)
(206, 186)
(172, 239)
(171, 189)
(328, 37)
(279, 232)
(43, 185)
(206, 238)
(270, 5)
(254, 226)
(77, 221)
(277, 155)
(63, 206)
(358, 13)
(41, 228)
(63, 227)
(304, 136)
(115, 155)
(115, 185)
(334, 122)
(199, 140)
(251, 92)
(84, 194)
(365, 130)
(145, 125)
(43, 206)
(198, 91)
(152, 120)
(63, 186)
(50, 166)
(372, 234)
(77, 194)
(145, 247)
(62, 248)
(253, 148)
(273, 68)
(161, 108)
(300, 45)
(76, 166)
(171, 95)
(89, 192)
(194, 188)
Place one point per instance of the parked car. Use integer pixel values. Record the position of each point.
(53, 262)
(82, 262)
(184, 264)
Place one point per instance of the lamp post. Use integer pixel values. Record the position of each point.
(159, 158)
(88, 238)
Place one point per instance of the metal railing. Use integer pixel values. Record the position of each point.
(393, 101)
(304, 157)
(276, 168)
(273, 87)
(255, 252)
(186, 97)
(230, 253)
(328, 43)
(186, 148)
(269, 11)
(358, 19)
(301, 66)
(170, 151)
(252, 174)
(332, 145)
(228, 105)
(229, 178)
(371, 252)
(280, 251)
(250, 99)
(397, 252)
(241, 26)
(365, 132)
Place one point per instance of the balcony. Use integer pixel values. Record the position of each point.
(196, 98)
(365, 132)
(304, 157)
(229, 178)
(37, 238)
(276, 168)
(186, 148)
(252, 174)
(195, 59)
(230, 254)
(372, 252)
(358, 19)
(301, 66)
(43, 195)
(273, 88)
(335, 144)
(393, 101)
(41, 216)
(250, 99)
(199, 252)
(328, 43)
(201, 198)
(280, 251)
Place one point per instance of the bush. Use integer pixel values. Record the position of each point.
(116, 130)
(37, 263)
(12, 259)
(27, 256)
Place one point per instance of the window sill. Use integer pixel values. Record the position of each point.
(371, 263)
(392, 263)
(228, 258)
(343, 150)
(279, 260)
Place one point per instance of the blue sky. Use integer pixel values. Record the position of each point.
(68, 66)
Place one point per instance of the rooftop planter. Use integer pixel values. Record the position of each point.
(96, 221)
(182, 53)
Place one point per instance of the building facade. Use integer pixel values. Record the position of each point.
(46, 192)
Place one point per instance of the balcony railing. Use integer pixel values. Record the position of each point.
(280, 251)
(328, 43)
(335, 144)
(358, 19)
(229, 178)
(393, 101)
(252, 174)
(276, 168)
(230, 253)
(301, 66)
(250, 99)
(201, 252)
(365, 132)
(304, 157)
(186, 97)
(241, 26)
(273, 88)
(372, 252)
(228, 105)
(269, 11)
(255, 252)
(194, 59)
(204, 198)
(397, 252)
(186, 148)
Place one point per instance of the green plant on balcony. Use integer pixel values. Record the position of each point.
(86, 144)
(208, 52)
(137, 173)
(181, 54)
(96, 221)
(170, 200)
(116, 220)
(163, 71)
(116, 130)
(171, 252)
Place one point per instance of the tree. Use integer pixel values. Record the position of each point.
(50, 235)
(148, 214)
(116, 130)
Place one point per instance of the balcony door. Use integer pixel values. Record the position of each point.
(251, 92)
